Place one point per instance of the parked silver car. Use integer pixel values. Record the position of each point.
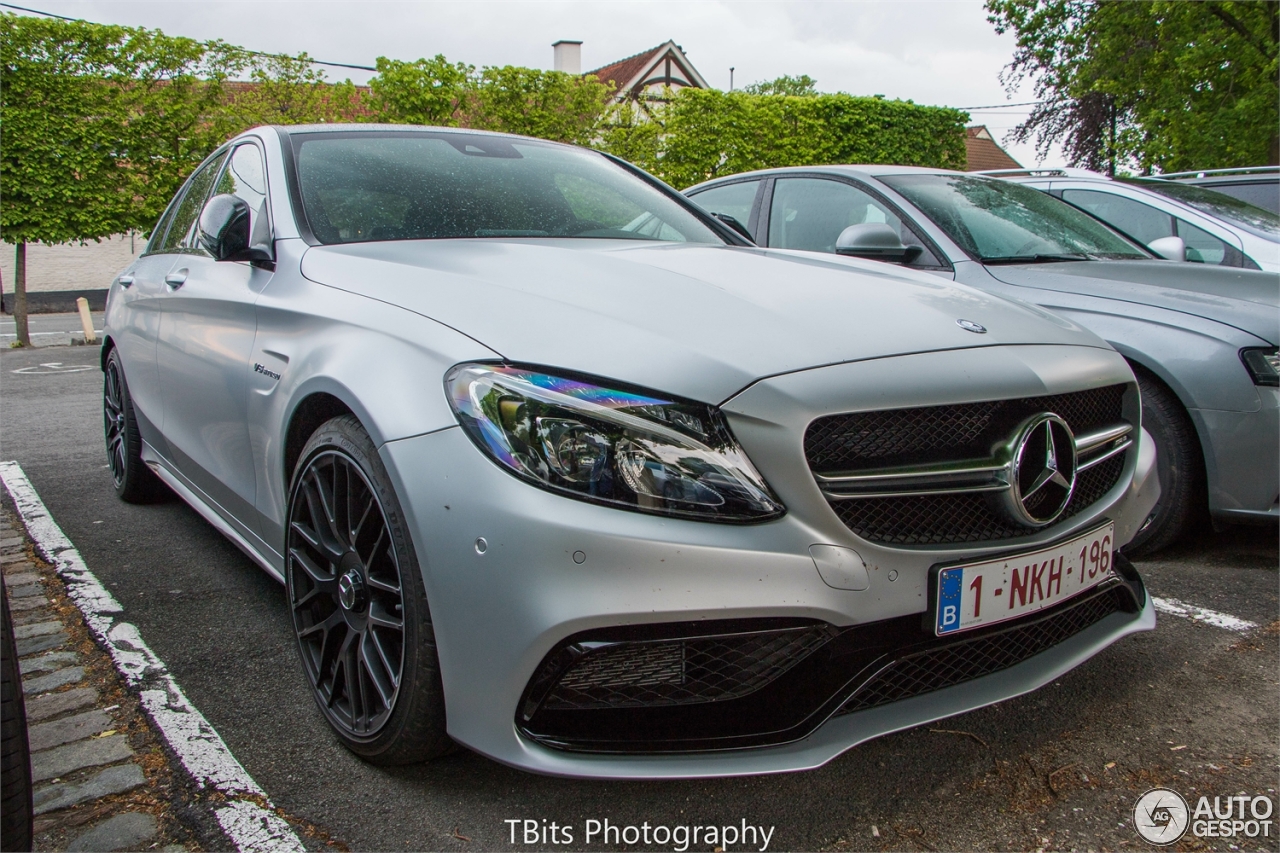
(1191, 223)
(558, 467)
(1202, 339)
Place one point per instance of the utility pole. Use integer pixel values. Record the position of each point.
(731, 78)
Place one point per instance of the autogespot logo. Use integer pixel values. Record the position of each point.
(1161, 816)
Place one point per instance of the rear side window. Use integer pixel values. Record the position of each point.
(736, 200)
(185, 212)
(1142, 222)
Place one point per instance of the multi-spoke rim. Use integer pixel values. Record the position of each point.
(345, 593)
(114, 421)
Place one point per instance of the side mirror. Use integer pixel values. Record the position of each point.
(875, 241)
(224, 231)
(735, 224)
(1170, 248)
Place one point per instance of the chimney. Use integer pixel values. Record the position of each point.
(568, 56)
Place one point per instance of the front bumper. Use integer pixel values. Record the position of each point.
(552, 567)
(1242, 459)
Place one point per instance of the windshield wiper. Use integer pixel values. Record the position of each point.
(1034, 259)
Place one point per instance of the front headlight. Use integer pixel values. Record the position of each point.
(614, 447)
(1263, 365)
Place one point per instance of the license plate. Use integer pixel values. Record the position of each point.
(981, 594)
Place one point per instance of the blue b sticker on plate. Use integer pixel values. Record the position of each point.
(949, 593)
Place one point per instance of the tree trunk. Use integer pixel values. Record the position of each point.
(20, 295)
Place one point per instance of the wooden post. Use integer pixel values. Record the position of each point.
(20, 294)
(86, 321)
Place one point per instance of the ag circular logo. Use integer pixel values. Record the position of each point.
(1161, 816)
(1043, 471)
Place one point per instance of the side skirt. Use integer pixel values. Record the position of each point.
(207, 510)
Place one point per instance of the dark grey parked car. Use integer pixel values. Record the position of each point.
(1259, 186)
(1201, 339)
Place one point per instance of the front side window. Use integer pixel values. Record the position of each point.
(179, 236)
(734, 200)
(360, 187)
(1204, 248)
(1142, 222)
(810, 213)
(996, 220)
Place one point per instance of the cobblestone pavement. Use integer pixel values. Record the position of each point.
(102, 780)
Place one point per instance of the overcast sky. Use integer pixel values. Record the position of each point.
(941, 52)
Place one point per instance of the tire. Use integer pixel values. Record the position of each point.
(15, 754)
(1179, 464)
(351, 568)
(134, 481)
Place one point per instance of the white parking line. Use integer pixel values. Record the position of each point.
(1174, 607)
(252, 827)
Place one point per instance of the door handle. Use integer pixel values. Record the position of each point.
(176, 279)
(126, 280)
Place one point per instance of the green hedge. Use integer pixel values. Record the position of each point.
(102, 123)
(702, 133)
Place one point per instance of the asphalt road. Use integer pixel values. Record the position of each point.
(1191, 706)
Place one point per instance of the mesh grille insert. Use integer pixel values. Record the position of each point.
(865, 440)
(966, 660)
(682, 672)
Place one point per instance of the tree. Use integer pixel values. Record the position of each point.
(290, 90)
(546, 104)
(1160, 85)
(99, 124)
(426, 91)
(802, 86)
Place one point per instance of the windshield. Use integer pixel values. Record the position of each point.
(998, 220)
(1255, 220)
(397, 185)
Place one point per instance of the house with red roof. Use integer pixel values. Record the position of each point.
(644, 75)
(983, 153)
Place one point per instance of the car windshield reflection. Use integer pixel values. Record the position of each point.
(429, 185)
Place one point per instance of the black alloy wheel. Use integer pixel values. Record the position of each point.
(134, 481)
(359, 611)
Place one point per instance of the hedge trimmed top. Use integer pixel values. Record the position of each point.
(102, 123)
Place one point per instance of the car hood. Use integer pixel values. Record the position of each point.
(698, 321)
(1245, 299)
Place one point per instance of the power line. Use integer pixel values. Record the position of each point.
(993, 106)
(249, 52)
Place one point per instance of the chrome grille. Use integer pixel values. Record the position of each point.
(959, 518)
(937, 475)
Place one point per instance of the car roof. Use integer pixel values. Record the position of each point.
(875, 170)
(299, 129)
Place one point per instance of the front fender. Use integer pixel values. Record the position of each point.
(384, 363)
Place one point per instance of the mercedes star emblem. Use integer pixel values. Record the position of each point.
(1043, 471)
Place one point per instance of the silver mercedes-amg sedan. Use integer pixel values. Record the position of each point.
(557, 466)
